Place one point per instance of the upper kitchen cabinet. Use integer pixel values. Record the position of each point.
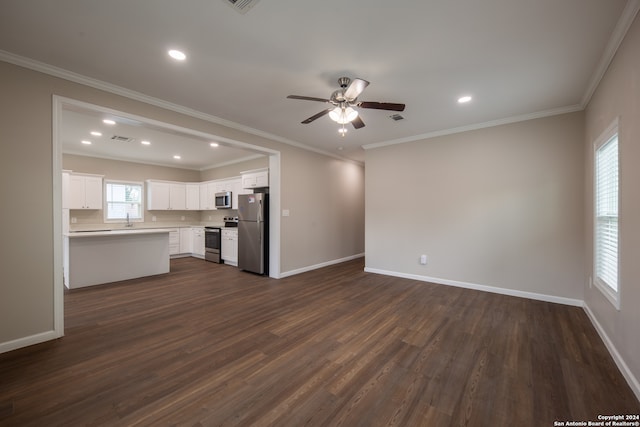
(209, 189)
(85, 191)
(164, 195)
(207, 194)
(192, 196)
(257, 178)
(234, 185)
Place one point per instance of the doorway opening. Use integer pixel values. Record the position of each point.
(234, 151)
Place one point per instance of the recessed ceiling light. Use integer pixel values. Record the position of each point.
(177, 157)
(108, 122)
(85, 142)
(214, 144)
(145, 142)
(177, 55)
(464, 99)
(96, 133)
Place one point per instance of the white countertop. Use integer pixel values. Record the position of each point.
(119, 232)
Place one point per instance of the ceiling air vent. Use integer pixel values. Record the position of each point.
(241, 6)
(121, 138)
(396, 117)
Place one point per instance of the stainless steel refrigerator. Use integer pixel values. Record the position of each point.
(253, 232)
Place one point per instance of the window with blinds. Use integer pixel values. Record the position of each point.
(606, 215)
(123, 201)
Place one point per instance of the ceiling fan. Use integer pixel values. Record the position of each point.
(343, 102)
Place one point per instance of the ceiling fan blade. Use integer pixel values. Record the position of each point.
(307, 98)
(355, 89)
(382, 106)
(357, 123)
(317, 116)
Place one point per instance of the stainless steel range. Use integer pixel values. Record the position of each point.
(212, 244)
(231, 221)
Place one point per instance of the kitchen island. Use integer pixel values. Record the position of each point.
(96, 257)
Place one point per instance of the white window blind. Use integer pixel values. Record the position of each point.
(606, 213)
(122, 199)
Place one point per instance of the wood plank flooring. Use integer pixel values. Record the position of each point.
(208, 345)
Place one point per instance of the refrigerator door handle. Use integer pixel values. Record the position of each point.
(259, 218)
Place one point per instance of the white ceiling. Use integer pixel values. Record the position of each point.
(517, 58)
(164, 143)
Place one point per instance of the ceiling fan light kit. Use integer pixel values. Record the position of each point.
(344, 100)
(343, 115)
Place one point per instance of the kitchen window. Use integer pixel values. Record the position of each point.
(124, 201)
(606, 215)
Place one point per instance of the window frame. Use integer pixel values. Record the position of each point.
(106, 202)
(611, 294)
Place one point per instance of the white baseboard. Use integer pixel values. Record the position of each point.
(27, 341)
(485, 288)
(613, 351)
(321, 265)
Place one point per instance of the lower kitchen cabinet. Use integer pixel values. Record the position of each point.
(174, 241)
(186, 240)
(230, 246)
(198, 242)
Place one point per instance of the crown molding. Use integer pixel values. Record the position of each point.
(620, 31)
(476, 126)
(157, 102)
(622, 27)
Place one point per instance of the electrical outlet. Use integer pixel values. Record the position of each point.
(182, 218)
(423, 259)
(153, 218)
(285, 212)
(74, 220)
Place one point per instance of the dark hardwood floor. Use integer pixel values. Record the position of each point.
(208, 345)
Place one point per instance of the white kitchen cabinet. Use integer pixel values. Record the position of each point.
(192, 196)
(234, 185)
(229, 247)
(198, 242)
(236, 188)
(157, 195)
(164, 195)
(85, 191)
(174, 241)
(223, 185)
(186, 240)
(177, 196)
(207, 193)
(258, 178)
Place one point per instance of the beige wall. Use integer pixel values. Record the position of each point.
(498, 207)
(26, 257)
(26, 172)
(618, 95)
(118, 169)
(321, 194)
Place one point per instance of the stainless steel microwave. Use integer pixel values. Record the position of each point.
(223, 200)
